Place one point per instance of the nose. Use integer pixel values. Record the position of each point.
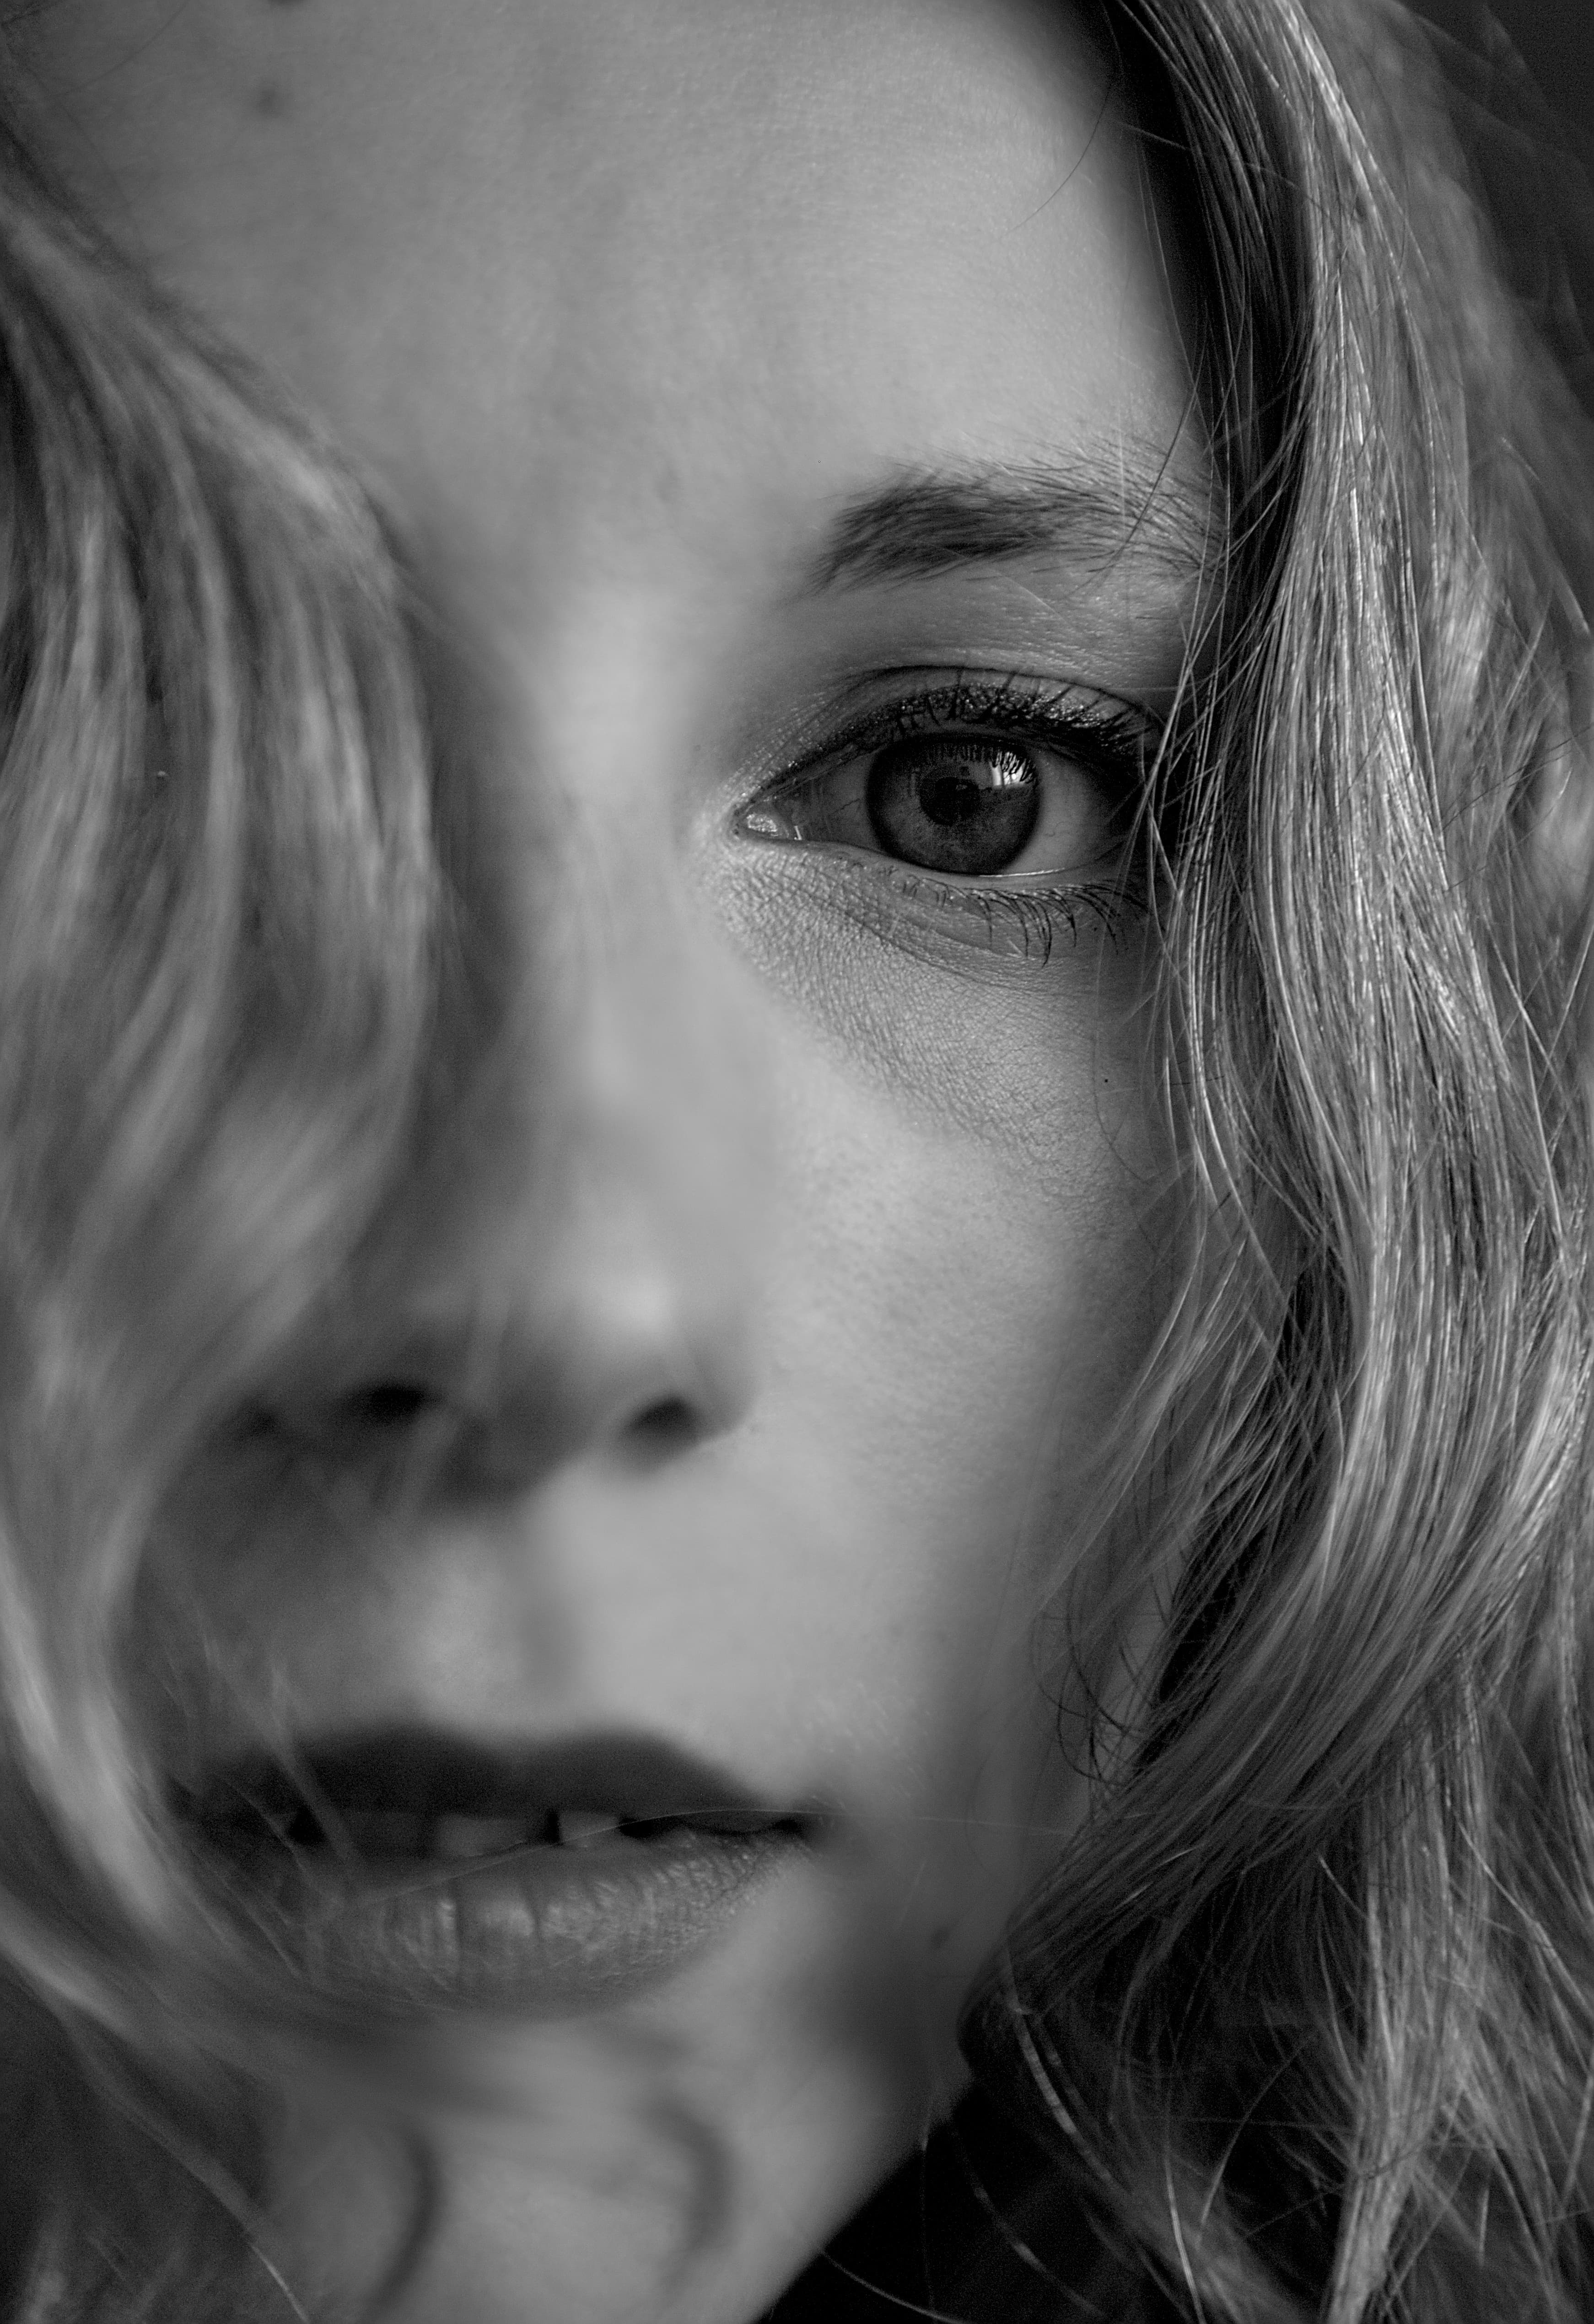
(579, 1260)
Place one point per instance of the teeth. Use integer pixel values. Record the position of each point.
(585, 1827)
(460, 1837)
(467, 1839)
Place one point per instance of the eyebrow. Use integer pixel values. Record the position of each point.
(926, 522)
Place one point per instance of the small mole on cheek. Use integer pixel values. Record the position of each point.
(270, 100)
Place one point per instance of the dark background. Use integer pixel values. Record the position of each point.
(1555, 39)
(1522, 74)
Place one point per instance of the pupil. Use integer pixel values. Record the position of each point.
(953, 804)
(950, 797)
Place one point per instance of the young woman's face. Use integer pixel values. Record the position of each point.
(784, 409)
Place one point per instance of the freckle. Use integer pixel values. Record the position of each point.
(270, 101)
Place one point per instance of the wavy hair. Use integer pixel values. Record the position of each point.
(220, 927)
(1311, 2006)
(1307, 2015)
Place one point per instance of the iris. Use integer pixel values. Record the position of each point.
(953, 803)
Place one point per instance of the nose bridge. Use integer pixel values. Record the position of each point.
(632, 1003)
(650, 1113)
(621, 1287)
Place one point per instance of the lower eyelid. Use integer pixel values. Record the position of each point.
(1023, 925)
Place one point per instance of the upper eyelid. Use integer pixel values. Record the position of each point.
(1008, 702)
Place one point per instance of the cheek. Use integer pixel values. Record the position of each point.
(966, 1284)
(971, 1172)
(1035, 1070)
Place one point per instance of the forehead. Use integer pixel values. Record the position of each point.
(649, 253)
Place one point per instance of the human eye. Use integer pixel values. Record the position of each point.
(1003, 804)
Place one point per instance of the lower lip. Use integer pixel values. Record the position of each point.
(543, 1931)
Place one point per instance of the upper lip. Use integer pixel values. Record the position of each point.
(428, 1772)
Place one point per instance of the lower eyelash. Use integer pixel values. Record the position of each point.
(1040, 918)
(1035, 917)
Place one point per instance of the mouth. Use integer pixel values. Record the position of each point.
(421, 1869)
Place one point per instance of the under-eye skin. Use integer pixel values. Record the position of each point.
(999, 806)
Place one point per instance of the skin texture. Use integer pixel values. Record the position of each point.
(794, 1247)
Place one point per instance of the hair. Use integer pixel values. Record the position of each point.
(1306, 2016)
(221, 927)
(1312, 2002)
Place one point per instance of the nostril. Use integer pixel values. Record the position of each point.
(382, 1420)
(386, 1405)
(669, 1425)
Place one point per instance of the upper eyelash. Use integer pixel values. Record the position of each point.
(1118, 741)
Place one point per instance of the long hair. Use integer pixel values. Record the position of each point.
(220, 927)
(1307, 2017)
(1309, 2009)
